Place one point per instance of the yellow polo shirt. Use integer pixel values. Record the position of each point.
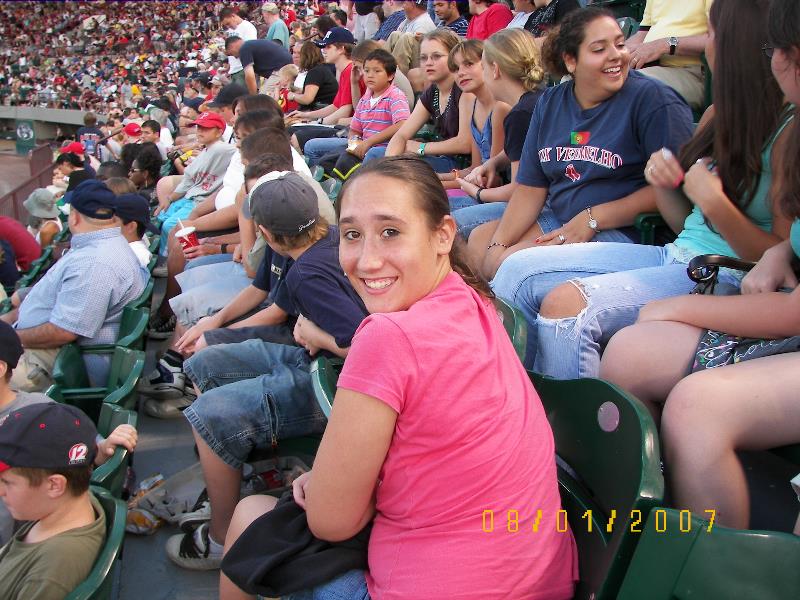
(667, 18)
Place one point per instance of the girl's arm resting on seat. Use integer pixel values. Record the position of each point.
(339, 494)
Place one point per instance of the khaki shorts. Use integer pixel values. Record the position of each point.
(689, 82)
(34, 372)
(270, 85)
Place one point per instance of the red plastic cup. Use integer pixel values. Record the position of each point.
(187, 238)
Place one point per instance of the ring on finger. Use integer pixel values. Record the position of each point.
(561, 238)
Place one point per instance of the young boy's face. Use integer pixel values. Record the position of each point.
(24, 501)
(375, 76)
(332, 53)
(208, 135)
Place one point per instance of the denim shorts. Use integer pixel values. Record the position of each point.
(350, 586)
(253, 394)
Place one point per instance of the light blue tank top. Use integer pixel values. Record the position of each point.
(794, 237)
(698, 238)
(483, 139)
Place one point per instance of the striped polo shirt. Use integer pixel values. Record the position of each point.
(371, 119)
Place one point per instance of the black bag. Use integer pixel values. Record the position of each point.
(278, 555)
(339, 165)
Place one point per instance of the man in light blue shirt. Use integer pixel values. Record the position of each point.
(278, 31)
(81, 298)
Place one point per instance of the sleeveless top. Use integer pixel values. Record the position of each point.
(483, 139)
(38, 232)
(697, 236)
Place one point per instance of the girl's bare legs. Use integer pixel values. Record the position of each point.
(711, 414)
(247, 511)
(649, 359)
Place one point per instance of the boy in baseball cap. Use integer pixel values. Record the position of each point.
(233, 414)
(12, 402)
(46, 454)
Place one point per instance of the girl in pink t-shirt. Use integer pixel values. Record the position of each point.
(436, 433)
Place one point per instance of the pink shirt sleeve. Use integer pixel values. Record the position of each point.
(381, 363)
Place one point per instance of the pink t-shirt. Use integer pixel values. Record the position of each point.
(471, 436)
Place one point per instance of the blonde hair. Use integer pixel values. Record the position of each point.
(288, 71)
(445, 36)
(517, 56)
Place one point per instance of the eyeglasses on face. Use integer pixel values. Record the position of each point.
(768, 50)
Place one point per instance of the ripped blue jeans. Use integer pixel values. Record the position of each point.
(615, 280)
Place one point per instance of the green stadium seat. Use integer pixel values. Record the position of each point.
(98, 585)
(72, 384)
(622, 8)
(608, 463)
(628, 25)
(154, 242)
(649, 225)
(325, 371)
(677, 557)
(5, 306)
(111, 474)
(317, 172)
(332, 187)
(143, 301)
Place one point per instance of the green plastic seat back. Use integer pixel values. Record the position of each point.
(111, 474)
(98, 585)
(332, 188)
(152, 263)
(317, 171)
(677, 557)
(69, 370)
(609, 463)
(154, 243)
(72, 383)
(132, 327)
(143, 301)
(127, 366)
(324, 374)
(5, 306)
(515, 324)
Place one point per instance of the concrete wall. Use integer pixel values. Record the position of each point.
(45, 119)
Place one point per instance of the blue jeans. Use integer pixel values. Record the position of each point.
(253, 394)
(615, 280)
(318, 147)
(470, 217)
(350, 586)
(440, 164)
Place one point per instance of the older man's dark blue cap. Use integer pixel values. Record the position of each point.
(93, 199)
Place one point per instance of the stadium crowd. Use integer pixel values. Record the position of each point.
(364, 180)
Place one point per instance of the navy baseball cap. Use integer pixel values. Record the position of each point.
(93, 199)
(337, 35)
(228, 94)
(194, 103)
(10, 346)
(133, 207)
(47, 435)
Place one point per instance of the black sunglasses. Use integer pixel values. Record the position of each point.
(768, 50)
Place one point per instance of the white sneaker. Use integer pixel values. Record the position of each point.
(165, 382)
(193, 550)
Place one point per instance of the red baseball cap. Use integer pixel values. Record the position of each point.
(132, 129)
(74, 148)
(209, 120)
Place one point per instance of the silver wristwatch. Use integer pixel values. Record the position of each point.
(673, 45)
(592, 220)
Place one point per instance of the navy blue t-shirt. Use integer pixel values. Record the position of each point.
(319, 290)
(588, 157)
(516, 124)
(271, 275)
(265, 55)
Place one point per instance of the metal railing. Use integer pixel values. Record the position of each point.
(41, 169)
